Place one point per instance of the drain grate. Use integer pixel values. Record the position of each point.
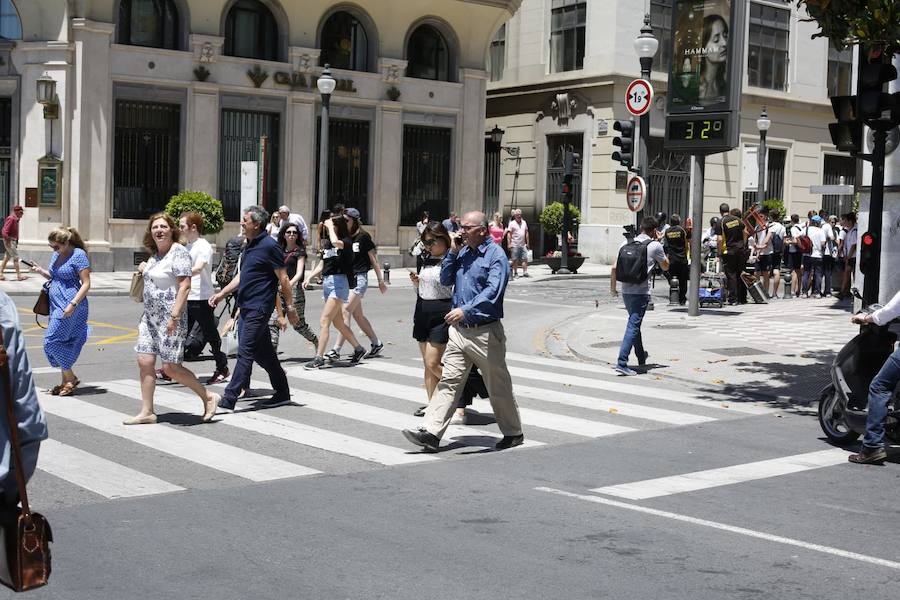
(740, 351)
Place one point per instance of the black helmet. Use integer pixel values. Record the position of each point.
(714, 222)
(660, 217)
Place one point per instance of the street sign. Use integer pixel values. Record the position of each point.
(639, 97)
(636, 193)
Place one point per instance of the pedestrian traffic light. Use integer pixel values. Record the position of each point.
(847, 133)
(871, 100)
(625, 143)
(868, 253)
(571, 165)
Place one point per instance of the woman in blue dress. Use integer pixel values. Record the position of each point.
(70, 281)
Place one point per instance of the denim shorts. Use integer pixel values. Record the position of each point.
(335, 286)
(362, 284)
(519, 253)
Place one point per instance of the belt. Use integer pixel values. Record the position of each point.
(477, 325)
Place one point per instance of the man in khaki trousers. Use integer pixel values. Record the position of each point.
(479, 272)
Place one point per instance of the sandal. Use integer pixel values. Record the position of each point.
(67, 389)
(54, 391)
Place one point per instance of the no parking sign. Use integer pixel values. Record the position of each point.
(636, 193)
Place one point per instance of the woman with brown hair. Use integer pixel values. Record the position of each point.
(163, 327)
(70, 279)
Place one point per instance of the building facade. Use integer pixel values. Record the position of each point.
(558, 73)
(157, 96)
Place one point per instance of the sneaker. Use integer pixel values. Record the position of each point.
(375, 351)
(225, 405)
(421, 437)
(624, 370)
(316, 363)
(868, 456)
(509, 441)
(332, 356)
(458, 419)
(358, 355)
(218, 376)
(275, 400)
(525, 275)
(161, 375)
(420, 412)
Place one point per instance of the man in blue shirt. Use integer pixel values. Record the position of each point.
(30, 420)
(479, 272)
(262, 270)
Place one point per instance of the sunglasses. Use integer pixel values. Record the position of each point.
(291, 233)
(429, 243)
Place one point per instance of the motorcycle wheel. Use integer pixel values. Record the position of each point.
(831, 421)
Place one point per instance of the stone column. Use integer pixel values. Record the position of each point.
(300, 158)
(386, 207)
(202, 166)
(470, 169)
(92, 140)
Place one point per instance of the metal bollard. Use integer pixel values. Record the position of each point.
(386, 269)
(674, 289)
(786, 281)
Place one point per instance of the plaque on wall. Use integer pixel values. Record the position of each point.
(49, 174)
(621, 180)
(31, 197)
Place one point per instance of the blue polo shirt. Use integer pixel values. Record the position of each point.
(258, 284)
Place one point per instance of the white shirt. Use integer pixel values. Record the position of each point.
(830, 240)
(817, 237)
(517, 233)
(430, 287)
(655, 254)
(796, 231)
(201, 283)
(842, 235)
(888, 312)
(761, 237)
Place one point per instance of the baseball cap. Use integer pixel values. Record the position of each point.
(816, 219)
(352, 213)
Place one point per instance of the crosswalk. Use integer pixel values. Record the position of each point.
(342, 420)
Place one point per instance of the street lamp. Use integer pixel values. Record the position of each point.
(646, 46)
(46, 96)
(326, 84)
(762, 123)
(497, 138)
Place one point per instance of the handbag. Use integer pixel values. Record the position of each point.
(42, 306)
(26, 536)
(137, 287)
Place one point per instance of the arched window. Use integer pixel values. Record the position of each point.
(151, 23)
(10, 25)
(345, 44)
(427, 54)
(251, 31)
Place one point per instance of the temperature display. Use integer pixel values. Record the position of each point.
(698, 130)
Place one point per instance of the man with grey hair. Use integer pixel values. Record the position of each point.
(517, 230)
(286, 216)
(262, 271)
(479, 271)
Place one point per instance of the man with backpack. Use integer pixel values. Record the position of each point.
(769, 243)
(635, 260)
(794, 256)
(812, 262)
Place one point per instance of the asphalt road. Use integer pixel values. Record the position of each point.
(342, 507)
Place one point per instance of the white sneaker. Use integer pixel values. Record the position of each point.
(458, 419)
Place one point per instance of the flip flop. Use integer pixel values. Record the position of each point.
(54, 391)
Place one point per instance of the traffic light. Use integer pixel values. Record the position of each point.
(871, 100)
(847, 133)
(868, 251)
(625, 143)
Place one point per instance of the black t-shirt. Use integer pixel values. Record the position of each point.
(292, 258)
(362, 243)
(337, 262)
(733, 230)
(676, 243)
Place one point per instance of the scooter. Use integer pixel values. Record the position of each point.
(843, 403)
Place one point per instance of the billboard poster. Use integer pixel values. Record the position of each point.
(699, 78)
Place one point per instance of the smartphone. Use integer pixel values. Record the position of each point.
(26, 262)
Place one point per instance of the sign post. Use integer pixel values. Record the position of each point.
(704, 96)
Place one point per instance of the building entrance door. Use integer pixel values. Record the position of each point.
(5, 155)
(556, 154)
(239, 141)
(669, 183)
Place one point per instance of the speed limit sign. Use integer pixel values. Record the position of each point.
(638, 97)
(636, 193)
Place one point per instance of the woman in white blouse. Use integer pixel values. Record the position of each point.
(432, 305)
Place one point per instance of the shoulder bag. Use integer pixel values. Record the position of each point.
(42, 306)
(25, 536)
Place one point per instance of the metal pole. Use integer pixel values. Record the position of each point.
(761, 178)
(698, 168)
(644, 153)
(876, 207)
(323, 154)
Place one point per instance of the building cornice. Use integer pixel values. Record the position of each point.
(93, 26)
(510, 5)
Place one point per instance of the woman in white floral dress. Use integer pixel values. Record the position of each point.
(163, 327)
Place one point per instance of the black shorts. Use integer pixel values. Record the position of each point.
(764, 263)
(793, 260)
(428, 321)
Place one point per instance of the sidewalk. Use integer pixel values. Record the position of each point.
(779, 351)
(118, 283)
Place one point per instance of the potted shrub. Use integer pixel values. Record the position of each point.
(551, 218)
(201, 202)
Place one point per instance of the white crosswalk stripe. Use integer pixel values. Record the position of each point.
(536, 418)
(203, 451)
(342, 419)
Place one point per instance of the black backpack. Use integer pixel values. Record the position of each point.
(777, 242)
(631, 264)
(228, 264)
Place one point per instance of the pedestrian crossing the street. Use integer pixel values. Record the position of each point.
(342, 420)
